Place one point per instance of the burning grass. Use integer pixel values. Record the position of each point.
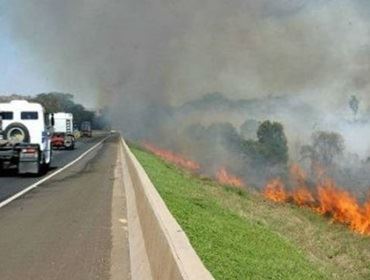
(240, 235)
(172, 157)
(231, 246)
(326, 198)
(225, 177)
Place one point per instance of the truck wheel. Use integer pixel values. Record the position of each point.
(17, 132)
(40, 165)
(46, 166)
(69, 142)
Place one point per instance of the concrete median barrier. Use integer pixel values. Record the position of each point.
(159, 248)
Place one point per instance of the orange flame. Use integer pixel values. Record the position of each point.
(342, 206)
(226, 178)
(298, 174)
(172, 157)
(301, 195)
(275, 191)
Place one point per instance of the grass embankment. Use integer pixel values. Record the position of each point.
(239, 235)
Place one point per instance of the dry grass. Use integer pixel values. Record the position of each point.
(337, 251)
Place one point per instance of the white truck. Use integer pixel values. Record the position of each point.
(25, 140)
(63, 136)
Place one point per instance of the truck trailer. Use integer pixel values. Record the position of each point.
(86, 129)
(25, 141)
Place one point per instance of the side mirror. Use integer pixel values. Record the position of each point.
(52, 120)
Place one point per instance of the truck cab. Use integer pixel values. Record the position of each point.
(63, 136)
(24, 137)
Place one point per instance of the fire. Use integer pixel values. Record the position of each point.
(298, 174)
(223, 176)
(343, 207)
(328, 199)
(275, 191)
(172, 157)
(302, 196)
(226, 178)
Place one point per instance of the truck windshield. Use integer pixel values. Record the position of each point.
(29, 115)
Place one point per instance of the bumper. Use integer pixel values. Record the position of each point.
(8, 154)
(57, 141)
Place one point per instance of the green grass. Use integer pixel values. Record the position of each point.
(239, 235)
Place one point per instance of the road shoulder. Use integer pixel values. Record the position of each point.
(120, 270)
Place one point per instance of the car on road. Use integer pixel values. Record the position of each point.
(25, 138)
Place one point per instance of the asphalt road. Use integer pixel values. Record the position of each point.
(66, 228)
(11, 183)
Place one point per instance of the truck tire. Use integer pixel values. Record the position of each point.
(17, 132)
(45, 167)
(69, 142)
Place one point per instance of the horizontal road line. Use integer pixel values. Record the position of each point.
(35, 185)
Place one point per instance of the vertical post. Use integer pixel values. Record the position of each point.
(1, 127)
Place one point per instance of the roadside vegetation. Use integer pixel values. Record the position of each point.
(240, 235)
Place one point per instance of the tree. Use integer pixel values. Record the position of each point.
(54, 102)
(271, 147)
(248, 129)
(273, 142)
(102, 119)
(354, 104)
(225, 134)
(325, 147)
(212, 146)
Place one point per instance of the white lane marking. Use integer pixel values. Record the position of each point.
(35, 185)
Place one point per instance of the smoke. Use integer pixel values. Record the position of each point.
(169, 52)
(298, 61)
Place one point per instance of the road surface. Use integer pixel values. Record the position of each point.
(11, 183)
(66, 228)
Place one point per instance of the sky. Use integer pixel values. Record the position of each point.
(167, 51)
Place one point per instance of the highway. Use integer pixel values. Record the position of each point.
(11, 183)
(66, 227)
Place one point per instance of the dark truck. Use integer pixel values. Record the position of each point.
(86, 129)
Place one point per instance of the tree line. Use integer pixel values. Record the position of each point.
(259, 149)
(54, 102)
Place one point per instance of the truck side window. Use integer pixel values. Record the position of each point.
(6, 115)
(29, 115)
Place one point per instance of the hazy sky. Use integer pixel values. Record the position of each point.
(172, 51)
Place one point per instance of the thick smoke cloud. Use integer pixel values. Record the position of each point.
(167, 51)
(300, 59)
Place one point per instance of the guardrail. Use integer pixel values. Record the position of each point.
(154, 232)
